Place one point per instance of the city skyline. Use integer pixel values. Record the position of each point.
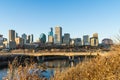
(77, 17)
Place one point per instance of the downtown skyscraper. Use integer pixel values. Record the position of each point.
(58, 35)
(11, 35)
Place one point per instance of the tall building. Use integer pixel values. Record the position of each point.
(95, 35)
(19, 41)
(28, 39)
(50, 39)
(50, 36)
(66, 39)
(42, 38)
(51, 32)
(31, 38)
(86, 40)
(94, 41)
(78, 42)
(1, 39)
(11, 35)
(58, 35)
(16, 35)
(24, 36)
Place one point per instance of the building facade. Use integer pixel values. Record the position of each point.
(66, 39)
(86, 40)
(11, 35)
(31, 38)
(107, 41)
(95, 35)
(51, 32)
(58, 35)
(42, 38)
(50, 39)
(16, 35)
(78, 42)
(50, 36)
(19, 41)
(24, 36)
(94, 41)
(1, 40)
(28, 39)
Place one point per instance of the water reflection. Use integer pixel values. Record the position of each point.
(49, 68)
(3, 73)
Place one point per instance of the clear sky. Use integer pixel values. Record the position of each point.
(77, 17)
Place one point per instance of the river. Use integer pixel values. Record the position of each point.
(3, 73)
(51, 67)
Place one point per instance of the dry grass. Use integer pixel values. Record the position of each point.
(100, 68)
(19, 72)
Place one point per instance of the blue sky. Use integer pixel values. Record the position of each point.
(77, 17)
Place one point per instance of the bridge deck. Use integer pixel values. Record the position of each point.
(57, 54)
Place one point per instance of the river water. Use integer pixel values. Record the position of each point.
(3, 73)
(51, 67)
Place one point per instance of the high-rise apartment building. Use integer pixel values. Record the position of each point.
(1, 39)
(19, 41)
(95, 35)
(50, 39)
(24, 36)
(16, 35)
(78, 42)
(42, 38)
(11, 35)
(58, 35)
(31, 38)
(66, 39)
(51, 32)
(86, 40)
(94, 40)
(50, 36)
(28, 39)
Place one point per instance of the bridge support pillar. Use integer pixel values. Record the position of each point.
(71, 61)
(38, 58)
(43, 58)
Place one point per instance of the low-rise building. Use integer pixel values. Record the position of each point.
(107, 41)
(6, 44)
(76, 42)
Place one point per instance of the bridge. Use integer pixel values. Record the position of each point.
(45, 55)
(56, 54)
